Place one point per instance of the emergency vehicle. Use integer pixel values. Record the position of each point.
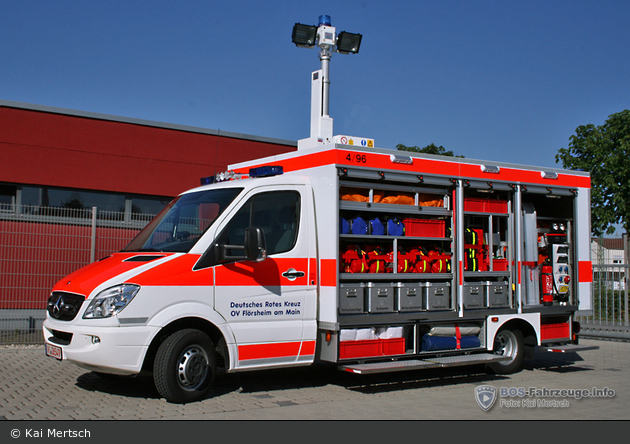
(370, 259)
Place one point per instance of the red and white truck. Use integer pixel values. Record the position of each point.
(370, 259)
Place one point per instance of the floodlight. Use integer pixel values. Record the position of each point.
(325, 37)
(348, 43)
(304, 35)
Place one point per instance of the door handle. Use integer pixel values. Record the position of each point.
(292, 274)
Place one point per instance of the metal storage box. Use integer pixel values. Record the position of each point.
(410, 296)
(437, 296)
(380, 297)
(351, 298)
(497, 294)
(474, 295)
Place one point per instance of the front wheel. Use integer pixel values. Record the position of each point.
(184, 366)
(508, 343)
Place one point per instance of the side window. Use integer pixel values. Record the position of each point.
(276, 212)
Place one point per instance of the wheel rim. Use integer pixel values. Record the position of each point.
(506, 345)
(192, 368)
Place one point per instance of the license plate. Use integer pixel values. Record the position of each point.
(53, 351)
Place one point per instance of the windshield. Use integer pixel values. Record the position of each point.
(180, 225)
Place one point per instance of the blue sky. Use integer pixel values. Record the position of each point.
(496, 80)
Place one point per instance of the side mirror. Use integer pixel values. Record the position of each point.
(255, 244)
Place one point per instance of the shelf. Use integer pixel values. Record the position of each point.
(480, 213)
(394, 208)
(471, 274)
(440, 190)
(368, 237)
(366, 277)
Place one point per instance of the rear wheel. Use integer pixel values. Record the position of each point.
(508, 343)
(184, 366)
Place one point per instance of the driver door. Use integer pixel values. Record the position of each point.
(268, 303)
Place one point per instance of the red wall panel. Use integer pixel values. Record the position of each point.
(34, 256)
(59, 150)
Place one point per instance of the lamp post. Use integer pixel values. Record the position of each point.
(325, 37)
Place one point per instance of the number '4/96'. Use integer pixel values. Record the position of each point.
(358, 158)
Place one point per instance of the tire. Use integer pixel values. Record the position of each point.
(184, 366)
(508, 343)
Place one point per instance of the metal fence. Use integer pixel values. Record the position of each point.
(610, 303)
(41, 245)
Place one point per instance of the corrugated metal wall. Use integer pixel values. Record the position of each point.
(41, 245)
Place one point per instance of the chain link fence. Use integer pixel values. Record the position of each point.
(41, 245)
(610, 303)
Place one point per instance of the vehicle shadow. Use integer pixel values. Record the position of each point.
(133, 387)
(556, 362)
(260, 383)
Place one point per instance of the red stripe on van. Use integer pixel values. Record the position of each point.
(268, 272)
(585, 271)
(328, 272)
(342, 157)
(266, 351)
(176, 272)
(86, 279)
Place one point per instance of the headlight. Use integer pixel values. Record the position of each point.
(111, 301)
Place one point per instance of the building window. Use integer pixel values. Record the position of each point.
(7, 196)
(44, 202)
(148, 205)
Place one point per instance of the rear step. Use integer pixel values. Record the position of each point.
(417, 364)
(568, 348)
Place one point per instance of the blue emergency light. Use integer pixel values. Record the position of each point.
(266, 171)
(324, 20)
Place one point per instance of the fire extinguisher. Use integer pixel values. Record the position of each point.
(547, 284)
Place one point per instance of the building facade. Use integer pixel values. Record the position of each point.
(77, 186)
(58, 157)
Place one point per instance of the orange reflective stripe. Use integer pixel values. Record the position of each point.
(177, 272)
(275, 350)
(86, 279)
(328, 272)
(308, 348)
(428, 166)
(585, 271)
(266, 273)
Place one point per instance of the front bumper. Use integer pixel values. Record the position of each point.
(107, 349)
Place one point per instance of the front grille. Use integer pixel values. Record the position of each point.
(60, 337)
(64, 306)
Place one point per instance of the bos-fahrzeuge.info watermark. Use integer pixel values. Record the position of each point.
(533, 397)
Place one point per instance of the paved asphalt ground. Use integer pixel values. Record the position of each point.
(42, 398)
(36, 388)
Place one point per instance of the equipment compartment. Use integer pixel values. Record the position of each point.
(451, 336)
(438, 296)
(474, 295)
(352, 298)
(497, 294)
(380, 297)
(424, 227)
(373, 342)
(410, 296)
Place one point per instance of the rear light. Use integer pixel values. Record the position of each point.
(576, 327)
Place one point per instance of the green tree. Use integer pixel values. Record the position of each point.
(604, 152)
(429, 149)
